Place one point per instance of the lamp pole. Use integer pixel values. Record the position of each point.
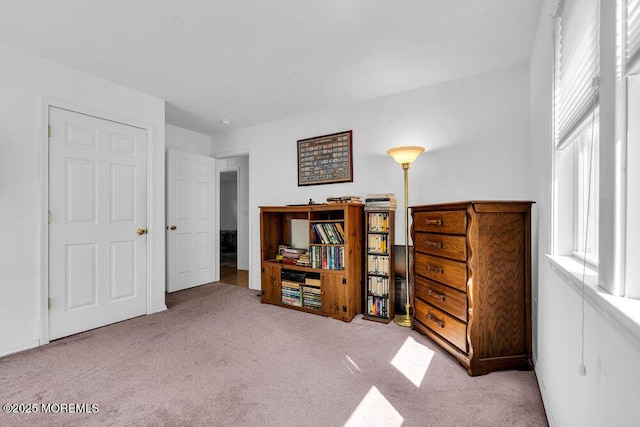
(406, 319)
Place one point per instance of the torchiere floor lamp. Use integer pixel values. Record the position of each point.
(405, 156)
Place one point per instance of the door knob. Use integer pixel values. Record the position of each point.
(141, 231)
(172, 227)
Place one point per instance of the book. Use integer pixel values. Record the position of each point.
(294, 250)
(380, 197)
(311, 281)
(320, 233)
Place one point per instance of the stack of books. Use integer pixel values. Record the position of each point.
(291, 293)
(304, 260)
(311, 293)
(291, 255)
(380, 201)
(344, 199)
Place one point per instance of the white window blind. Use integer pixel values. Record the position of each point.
(633, 33)
(577, 63)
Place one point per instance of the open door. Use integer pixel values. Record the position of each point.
(190, 220)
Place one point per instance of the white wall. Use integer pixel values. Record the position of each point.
(608, 395)
(187, 140)
(475, 131)
(241, 165)
(24, 79)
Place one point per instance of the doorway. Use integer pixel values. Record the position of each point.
(233, 220)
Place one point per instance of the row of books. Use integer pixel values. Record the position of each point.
(378, 222)
(378, 286)
(378, 264)
(327, 257)
(311, 297)
(377, 306)
(291, 293)
(380, 201)
(328, 233)
(301, 294)
(378, 243)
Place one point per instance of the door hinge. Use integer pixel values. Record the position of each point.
(49, 130)
(49, 217)
(49, 303)
(344, 280)
(344, 308)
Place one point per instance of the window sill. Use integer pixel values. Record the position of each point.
(622, 313)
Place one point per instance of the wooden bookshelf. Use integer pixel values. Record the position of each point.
(332, 283)
(379, 282)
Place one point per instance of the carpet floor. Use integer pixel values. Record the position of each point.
(218, 357)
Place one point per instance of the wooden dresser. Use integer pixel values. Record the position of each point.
(472, 276)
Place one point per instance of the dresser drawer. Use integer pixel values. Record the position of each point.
(448, 299)
(454, 247)
(448, 327)
(452, 273)
(454, 222)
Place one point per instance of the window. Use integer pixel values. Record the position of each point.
(603, 204)
(585, 184)
(576, 97)
(632, 52)
(632, 16)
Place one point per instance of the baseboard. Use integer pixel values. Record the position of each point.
(24, 347)
(159, 309)
(543, 393)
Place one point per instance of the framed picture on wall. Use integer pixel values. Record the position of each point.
(325, 159)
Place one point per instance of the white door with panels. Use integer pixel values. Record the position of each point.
(191, 257)
(98, 220)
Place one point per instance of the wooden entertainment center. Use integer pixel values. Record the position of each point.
(332, 284)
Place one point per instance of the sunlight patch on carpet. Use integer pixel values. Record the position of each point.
(413, 360)
(351, 365)
(374, 410)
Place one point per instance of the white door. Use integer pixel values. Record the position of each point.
(190, 217)
(97, 203)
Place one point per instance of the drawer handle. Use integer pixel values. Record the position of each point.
(431, 317)
(434, 244)
(433, 221)
(431, 292)
(434, 268)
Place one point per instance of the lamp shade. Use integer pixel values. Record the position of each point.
(405, 155)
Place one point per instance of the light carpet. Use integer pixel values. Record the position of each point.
(218, 357)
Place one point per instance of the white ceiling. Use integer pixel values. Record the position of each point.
(255, 61)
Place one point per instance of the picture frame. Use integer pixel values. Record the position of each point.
(326, 159)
